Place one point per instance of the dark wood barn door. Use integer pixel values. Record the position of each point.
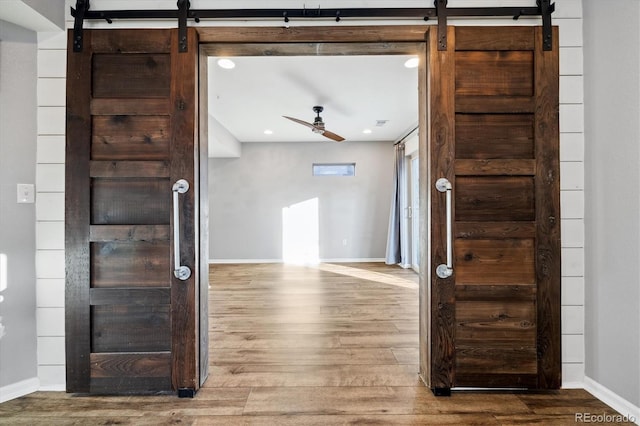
(495, 321)
(132, 325)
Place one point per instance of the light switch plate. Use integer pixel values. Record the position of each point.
(26, 193)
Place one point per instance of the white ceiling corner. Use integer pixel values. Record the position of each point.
(30, 16)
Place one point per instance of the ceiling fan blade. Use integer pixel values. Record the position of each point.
(317, 126)
(304, 123)
(332, 136)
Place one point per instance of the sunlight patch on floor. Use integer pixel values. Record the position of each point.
(366, 275)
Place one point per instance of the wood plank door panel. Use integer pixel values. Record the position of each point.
(131, 325)
(494, 135)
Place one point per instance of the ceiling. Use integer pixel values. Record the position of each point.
(356, 92)
(36, 15)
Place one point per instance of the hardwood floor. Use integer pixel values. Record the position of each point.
(294, 345)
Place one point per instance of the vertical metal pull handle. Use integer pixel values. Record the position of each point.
(446, 270)
(181, 272)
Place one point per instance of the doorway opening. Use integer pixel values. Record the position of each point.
(376, 308)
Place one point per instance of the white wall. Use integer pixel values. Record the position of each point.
(248, 194)
(568, 17)
(612, 205)
(50, 170)
(50, 209)
(18, 48)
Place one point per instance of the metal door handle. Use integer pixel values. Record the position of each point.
(181, 272)
(446, 270)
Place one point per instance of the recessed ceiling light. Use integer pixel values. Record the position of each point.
(412, 62)
(268, 132)
(366, 131)
(226, 63)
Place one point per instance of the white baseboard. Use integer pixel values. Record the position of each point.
(613, 400)
(228, 261)
(338, 260)
(54, 388)
(572, 385)
(16, 390)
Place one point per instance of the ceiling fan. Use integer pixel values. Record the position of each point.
(318, 125)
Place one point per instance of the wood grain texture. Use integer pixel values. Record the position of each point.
(130, 328)
(276, 392)
(500, 230)
(133, 201)
(503, 380)
(497, 73)
(311, 49)
(184, 133)
(131, 41)
(130, 296)
(130, 385)
(125, 169)
(142, 75)
(495, 261)
(314, 34)
(130, 264)
(150, 233)
(482, 104)
(499, 361)
(154, 364)
(496, 324)
(494, 136)
(506, 208)
(424, 181)
(548, 252)
(333, 324)
(119, 106)
(493, 292)
(77, 217)
(497, 88)
(128, 137)
(441, 152)
(494, 167)
(494, 198)
(504, 38)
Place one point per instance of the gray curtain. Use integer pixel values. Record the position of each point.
(395, 244)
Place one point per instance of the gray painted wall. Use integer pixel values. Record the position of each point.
(17, 221)
(612, 195)
(247, 195)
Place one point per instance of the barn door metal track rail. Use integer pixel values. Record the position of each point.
(183, 12)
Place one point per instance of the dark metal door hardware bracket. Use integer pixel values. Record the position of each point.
(183, 13)
(543, 8)
(82, 7)
(546, 9)
(441, 11)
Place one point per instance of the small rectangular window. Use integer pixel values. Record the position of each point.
(334, 169)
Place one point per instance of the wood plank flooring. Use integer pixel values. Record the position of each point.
(333, 344)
